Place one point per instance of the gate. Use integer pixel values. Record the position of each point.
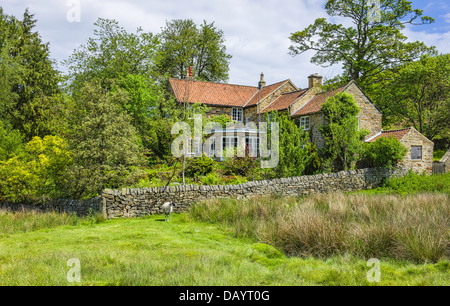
(438, 168)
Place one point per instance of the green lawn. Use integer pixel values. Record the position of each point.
(147, 251)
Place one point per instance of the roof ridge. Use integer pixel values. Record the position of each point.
(394, 133)
(398, 130)
(281, 83)
(300, 91)
(292, 92)
(217, 83)
(301, 107)
(334, 89)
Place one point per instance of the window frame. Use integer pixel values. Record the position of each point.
(230, 142)
(421, 153)
(195, 147)
(303, 121)
(239, 114)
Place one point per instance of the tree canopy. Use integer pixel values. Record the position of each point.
(372, 44)
(28, 76)
(203, 47)
(343, 145)
(418, 94)
(112, 54)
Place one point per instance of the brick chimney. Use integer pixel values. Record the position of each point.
(262, 83)
(315, 80)
(189, 74)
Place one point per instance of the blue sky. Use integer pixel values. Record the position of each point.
(257, 32)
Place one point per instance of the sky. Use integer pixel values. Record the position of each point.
(256, 32)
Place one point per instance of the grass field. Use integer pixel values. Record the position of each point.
(146, 251)
(410, 227)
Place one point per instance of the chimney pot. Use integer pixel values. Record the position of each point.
(262, 83)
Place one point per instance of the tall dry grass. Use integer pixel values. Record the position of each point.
(29, 221)
(414, 227)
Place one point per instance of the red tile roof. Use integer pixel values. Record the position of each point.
(399, 134)
(315, 104)
(284, 101)
(220, 94)
(264, 92)
(212, 93)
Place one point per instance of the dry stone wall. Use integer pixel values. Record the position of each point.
(130, 203)
(80, 207)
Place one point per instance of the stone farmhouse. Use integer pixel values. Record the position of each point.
(245, 104)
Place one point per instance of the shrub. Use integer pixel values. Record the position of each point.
(297, 153)
(37, 172)
(343, 145)
(210, 179)
(244, 166)
(199, 166)
(10, 142)
(384, 152)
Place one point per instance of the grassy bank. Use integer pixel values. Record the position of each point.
(317, 240)
(414, 183)
(30, 221)
(183, 252)
(413, 227)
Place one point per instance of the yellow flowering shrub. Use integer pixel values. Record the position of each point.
(37, 172)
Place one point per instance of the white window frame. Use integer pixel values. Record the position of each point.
(253, 145)
(237, 115)
(305, 123)
(195, 147)
(228, 142)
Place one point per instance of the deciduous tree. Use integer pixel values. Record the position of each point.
(106, 147)
(372, 44)
(112, 54)
(203, 47)
(343, 146)
(418, 94)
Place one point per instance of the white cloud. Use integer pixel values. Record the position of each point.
(257, 32)
(440, 40)
(447, 17)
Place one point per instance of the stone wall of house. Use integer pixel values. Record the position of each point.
(252, 112)
(219, 110)
(316, 121)
(303, 99)
(414, 138)
(285, 88)
(369, 117)
(80, 207)
(140, 202)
